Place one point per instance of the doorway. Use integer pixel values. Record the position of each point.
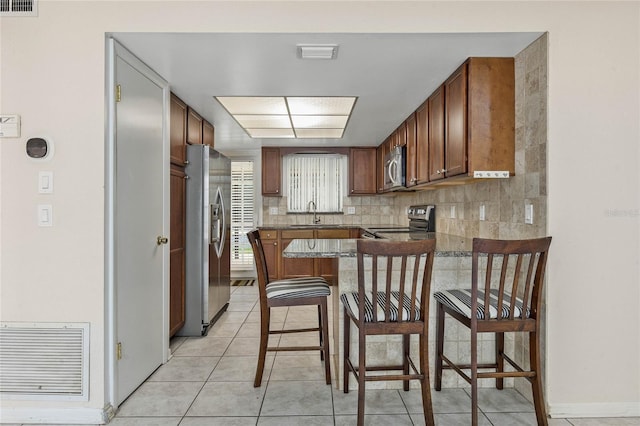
(242, 217)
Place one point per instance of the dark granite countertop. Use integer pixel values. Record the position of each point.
(446, 246)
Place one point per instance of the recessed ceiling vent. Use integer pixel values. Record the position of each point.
(317, 51)
(18, 8)
(44, 361)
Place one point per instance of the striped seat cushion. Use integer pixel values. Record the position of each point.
(298, 287)
(460, 301)
(351, 302)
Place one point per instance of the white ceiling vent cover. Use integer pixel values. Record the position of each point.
(44, 361)
(18, 8)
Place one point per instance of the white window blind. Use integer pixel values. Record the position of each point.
(242, 215)
(320, 178)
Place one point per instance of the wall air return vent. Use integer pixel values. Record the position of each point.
(18, 8)
(44, 361)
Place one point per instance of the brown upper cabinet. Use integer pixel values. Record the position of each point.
(490, 115)
(466, 125)
(271, 171)
(422, 144)
(208, 133)
(362, 171)
(455, 107)
(436, 134)
(480, 117)
(194, 127)
(412, 151)
(380, 154)
(178, 130)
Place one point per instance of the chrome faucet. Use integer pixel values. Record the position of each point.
(316, 219)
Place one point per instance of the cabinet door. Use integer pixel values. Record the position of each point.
(194, 127)
(362, 171)
(412, 154)
(271, 250)
(207, 133)
(178, 130)
(436, 134)
(456, 122)
(271, 171)
(401, 135)
(296, 267)
(380, 168)
(176, 251)
(422, 144)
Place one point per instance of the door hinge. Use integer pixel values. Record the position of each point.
(118, 93)
(119, 351)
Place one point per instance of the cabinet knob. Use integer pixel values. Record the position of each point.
(275, 244)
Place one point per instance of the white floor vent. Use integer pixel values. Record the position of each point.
(44, 361)
(18, 8)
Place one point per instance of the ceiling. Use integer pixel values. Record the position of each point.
(390, 74)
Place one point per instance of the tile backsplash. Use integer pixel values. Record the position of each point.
(504, 200)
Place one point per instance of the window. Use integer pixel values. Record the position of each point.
(242, 201)
(320, 178)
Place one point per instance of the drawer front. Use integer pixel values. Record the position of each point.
(296, 233)
(271, 234)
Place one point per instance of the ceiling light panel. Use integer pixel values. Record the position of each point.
(319, 121)
(264, 121)
(253, 104)
(320, 105)
(319, 133)
(273, 116)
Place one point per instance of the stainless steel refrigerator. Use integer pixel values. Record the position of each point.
(207, 250)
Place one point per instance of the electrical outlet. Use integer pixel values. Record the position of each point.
(481, 213)
(273, 211)
(453, 212)
(528, 214)
(351, 210)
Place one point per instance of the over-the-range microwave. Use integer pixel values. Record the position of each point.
(394, 168)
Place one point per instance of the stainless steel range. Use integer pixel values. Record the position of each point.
(422, 224)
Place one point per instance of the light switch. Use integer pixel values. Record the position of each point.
(453, 212)
(351, 210)
(481, 213)
(45, 215)
(45, 182)
(528, 214)
(273, 211)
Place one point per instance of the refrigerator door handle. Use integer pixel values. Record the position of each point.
(214, 223)
(221, 223)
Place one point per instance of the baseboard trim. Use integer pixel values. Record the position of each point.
(66, 416)
(614, 409)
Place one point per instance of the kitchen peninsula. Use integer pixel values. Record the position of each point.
(452, 266)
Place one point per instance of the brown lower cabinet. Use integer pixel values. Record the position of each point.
(280, 267)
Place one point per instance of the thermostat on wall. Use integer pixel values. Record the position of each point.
(39, 148)
(9, 126)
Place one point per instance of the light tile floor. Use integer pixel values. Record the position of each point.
(209, 382)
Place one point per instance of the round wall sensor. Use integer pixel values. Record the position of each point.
(39, 148)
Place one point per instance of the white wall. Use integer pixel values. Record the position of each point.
(52, 74)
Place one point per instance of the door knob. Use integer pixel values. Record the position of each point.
(162, 240)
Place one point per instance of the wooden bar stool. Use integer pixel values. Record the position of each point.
(290, 292)
(399, 305)
(508, 300)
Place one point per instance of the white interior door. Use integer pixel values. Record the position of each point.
(140, 224)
